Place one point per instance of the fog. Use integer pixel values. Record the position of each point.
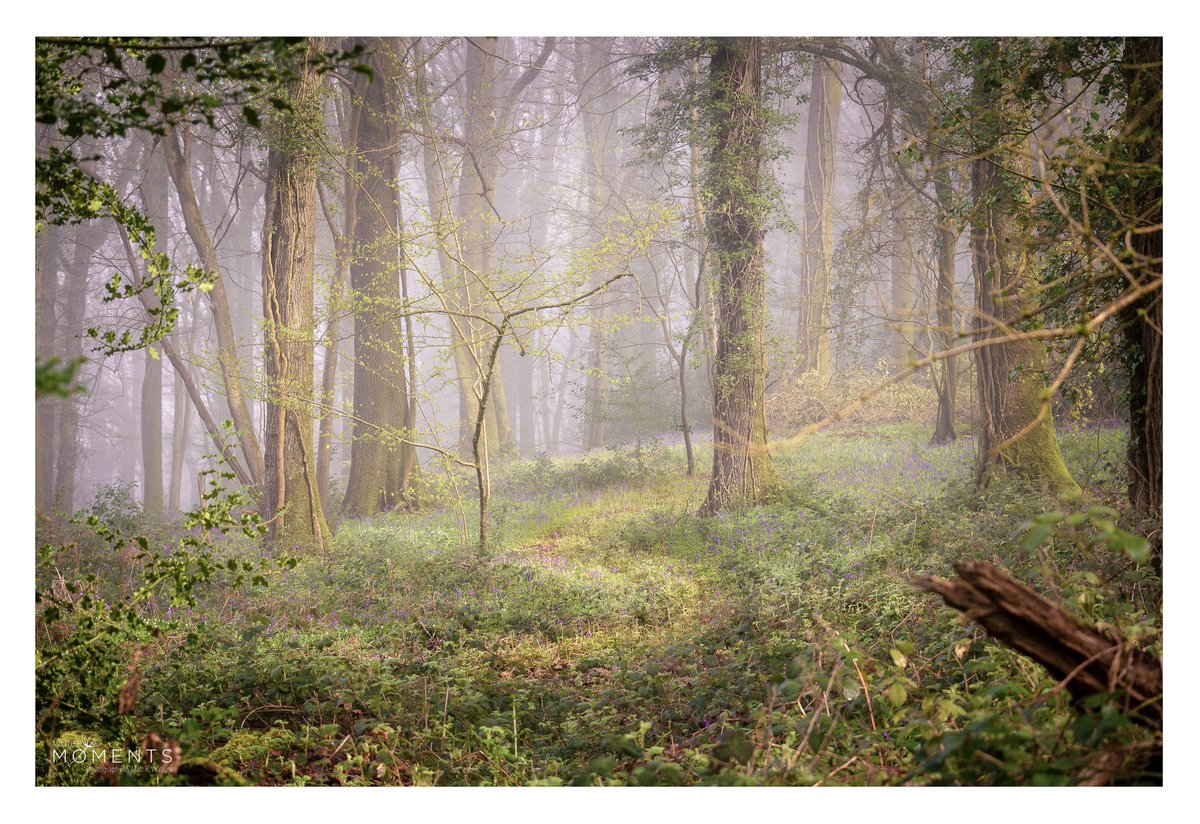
(639, 346)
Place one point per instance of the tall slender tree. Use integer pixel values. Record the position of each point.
(820, 171)
(291, 504)
(46, 326)
(742, 469)
(154, 204)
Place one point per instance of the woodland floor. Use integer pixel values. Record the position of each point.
(614, 637)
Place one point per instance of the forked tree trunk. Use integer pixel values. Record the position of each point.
(342, 240)
(218, 301)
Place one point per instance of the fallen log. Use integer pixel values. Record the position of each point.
(1086, 660)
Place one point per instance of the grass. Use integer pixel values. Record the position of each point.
(613, 637)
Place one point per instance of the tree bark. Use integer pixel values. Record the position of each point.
(1143, 327)
(946, 371)
(1086, 660)
(290, 501)
(154, 202)
(742, 469)
(904, 287)
(181, 421)
(1012, 376)
(380, 381)
(46, 325)
(592, 79)
(342, 240)
(218, 301)
(820, 167)
(87, 236)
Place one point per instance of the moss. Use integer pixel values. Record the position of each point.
(240, 748)
(1036, 454)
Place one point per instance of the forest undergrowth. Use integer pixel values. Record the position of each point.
(612, 636)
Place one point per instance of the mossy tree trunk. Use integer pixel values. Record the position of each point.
(291, 503)
(1012, 375)
(742, 469)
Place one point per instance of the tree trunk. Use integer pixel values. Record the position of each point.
(290, 500)
(476, 187)
(1087, 660)
(1012, 376)
(76, 282)
(904, 287)
(337, 295)
(1144, 320)
(592, 79)
(48, 247)
(380, 381)
(742, 468)
(181, 422)
(820, 167)
(946, 370)
(154, 202)
(218, 300)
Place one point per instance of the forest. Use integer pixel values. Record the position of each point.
(598, 411)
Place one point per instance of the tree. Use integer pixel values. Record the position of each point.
(1143, 321)
(593, 79)
(904, 284)
(154, 205)
(820, 169)
(85, 240)
(742, 469)
(47, 254)
(914, 103)
(382, 457)
(1016, 432)
(291, 504)
(178, 155)
(487, 117)
(343, 238)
